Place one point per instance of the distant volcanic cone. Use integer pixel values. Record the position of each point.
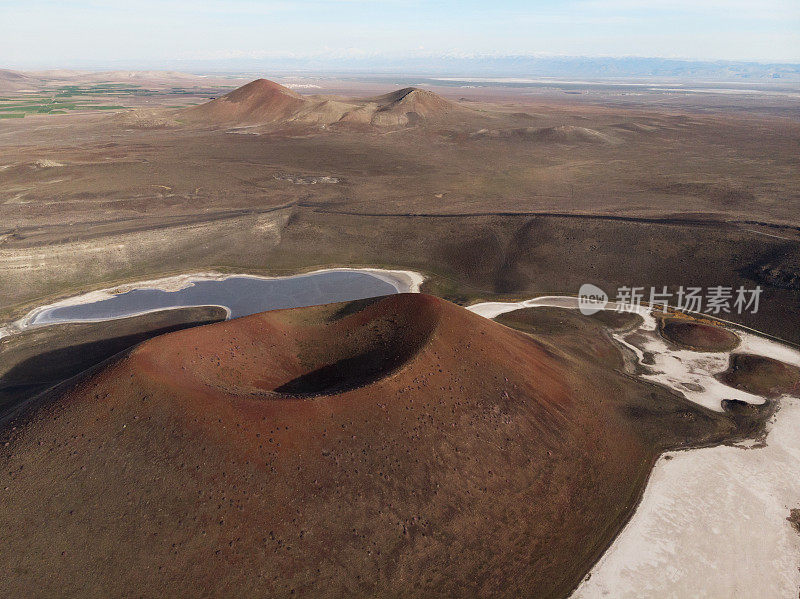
(400, 446)
(411, 105)
(264, 102)
(259, 102)
(404, 107)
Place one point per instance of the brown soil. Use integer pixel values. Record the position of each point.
(794, 518)
(396, 447)
(697, 335)
(761, 375)
(618, 321)
(580, 336)
(563, 134)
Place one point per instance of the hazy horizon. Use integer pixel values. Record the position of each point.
(511, 70)
(155, 35)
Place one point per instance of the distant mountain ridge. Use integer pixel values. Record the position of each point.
(631, 67)
(477, 65)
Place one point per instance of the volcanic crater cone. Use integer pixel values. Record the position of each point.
(411, 106)
(260, 101)
(401, 446)
(264, 102)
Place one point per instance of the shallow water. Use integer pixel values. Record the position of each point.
(240, 295)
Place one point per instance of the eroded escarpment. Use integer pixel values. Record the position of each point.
(398, 446)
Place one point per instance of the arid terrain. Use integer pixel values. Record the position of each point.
(489, 192)
(482, 438)
(395, 446)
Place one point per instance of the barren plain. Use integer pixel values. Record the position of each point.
(401, 445)
(507, 192)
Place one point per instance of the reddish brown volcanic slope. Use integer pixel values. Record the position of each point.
(697, 335)
(401, 446)
(260, 101)
(264, 102)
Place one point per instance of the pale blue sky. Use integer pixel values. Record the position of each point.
(148, 33)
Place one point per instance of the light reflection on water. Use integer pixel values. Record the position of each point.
(239, 294)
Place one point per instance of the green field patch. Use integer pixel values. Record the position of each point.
(20, 109)
(12, 115)
(98, 89)
(54, 107)
(35, 109)
(24, 103)
(119, 85)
